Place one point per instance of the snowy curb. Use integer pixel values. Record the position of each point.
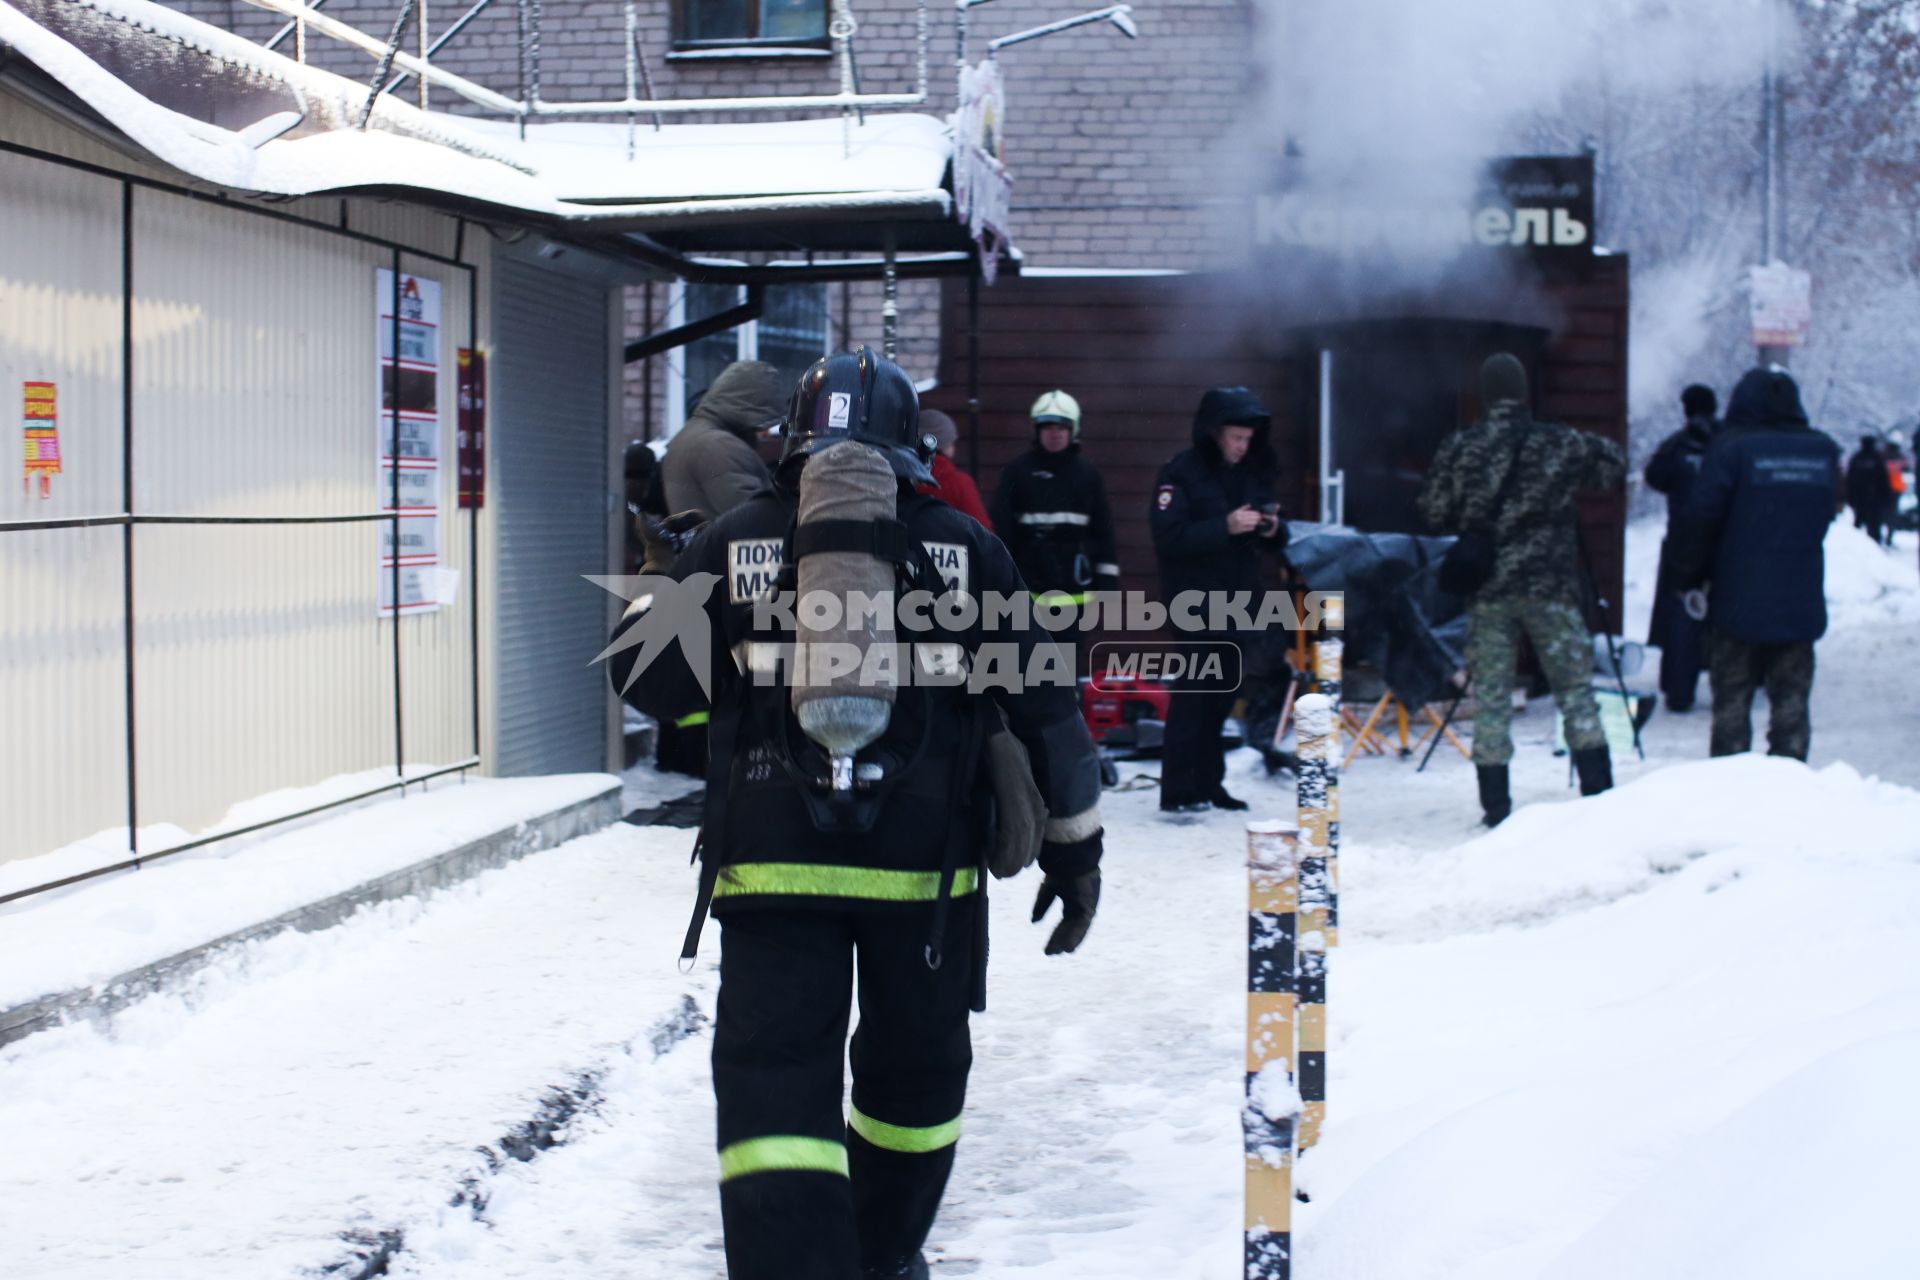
(422, 879)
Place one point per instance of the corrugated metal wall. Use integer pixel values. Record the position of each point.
(62, 657)
(260, 662)
(550, 484)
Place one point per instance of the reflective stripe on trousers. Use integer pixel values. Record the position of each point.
(813, 880)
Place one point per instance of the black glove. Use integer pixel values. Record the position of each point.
(1079, 899)
(665, 539)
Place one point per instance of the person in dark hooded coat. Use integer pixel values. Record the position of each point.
(713, 465)
(1672, 471)
(1214, 513)
(1753, 537)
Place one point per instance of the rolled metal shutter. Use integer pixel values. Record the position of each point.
(549, 487)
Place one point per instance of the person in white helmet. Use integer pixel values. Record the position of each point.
(1051, 509)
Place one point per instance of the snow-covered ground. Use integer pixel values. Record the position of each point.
(87, 933)
(1666, 1032)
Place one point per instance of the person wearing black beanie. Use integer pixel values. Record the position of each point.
(1672, 471)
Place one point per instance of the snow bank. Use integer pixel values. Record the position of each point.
(1551, 860)
(1667, 1032)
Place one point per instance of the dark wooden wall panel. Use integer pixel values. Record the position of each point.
(1138, 351)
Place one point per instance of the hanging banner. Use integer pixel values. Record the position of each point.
(982, 188)
(1781, 305)
(472, 428)
(40, 427)
(407, 441)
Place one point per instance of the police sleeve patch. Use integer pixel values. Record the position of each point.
(752, 565)
(1165, 499)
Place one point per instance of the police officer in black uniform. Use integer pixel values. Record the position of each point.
(1213, 513)
(811, 887)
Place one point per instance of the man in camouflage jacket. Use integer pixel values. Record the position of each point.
(1535, 586)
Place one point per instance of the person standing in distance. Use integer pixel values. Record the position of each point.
(1051, 508)
(1869, 490)
(1672, 471)
(713, 462)
(1754, 539)
(1517, 479)
(950, 484)
(1213, 514)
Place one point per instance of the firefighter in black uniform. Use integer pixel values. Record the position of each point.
(1051, 509)
(1213, 512)
(809, 886)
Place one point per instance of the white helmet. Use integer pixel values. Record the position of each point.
(1057, 408)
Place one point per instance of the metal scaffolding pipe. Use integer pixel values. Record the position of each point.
(531, 105)
(284, 32)
(1118, 15)
(440, 42)
(346, 34)
(693, 106)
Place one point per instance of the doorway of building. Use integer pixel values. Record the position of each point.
(1393, 390)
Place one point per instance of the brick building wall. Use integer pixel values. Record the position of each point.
(1115, 145)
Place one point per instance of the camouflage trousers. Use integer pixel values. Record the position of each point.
(1736, 669)
(1565, 649)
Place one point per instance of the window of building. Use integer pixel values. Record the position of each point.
(706, 23)
(791, 333)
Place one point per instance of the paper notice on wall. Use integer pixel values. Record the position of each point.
(407, 440)
(40, 435)
(446, 585)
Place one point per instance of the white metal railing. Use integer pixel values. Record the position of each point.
(534, 106)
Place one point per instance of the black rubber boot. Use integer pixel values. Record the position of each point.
(1221, 800)
(1495, 799)
(1595, 768)
(915, 1268)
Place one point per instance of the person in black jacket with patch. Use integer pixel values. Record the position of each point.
(1753, 537)
(1214, 514)
(813, 881)
(1675, 465)
(1050, 508)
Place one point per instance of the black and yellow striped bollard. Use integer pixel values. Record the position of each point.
(1272, 1104)
(1330, 678)
(1318, 750)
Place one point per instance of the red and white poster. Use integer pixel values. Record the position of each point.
(40, 435)
(407, 470)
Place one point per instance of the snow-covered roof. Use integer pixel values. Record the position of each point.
(588, 162)
(121, 58)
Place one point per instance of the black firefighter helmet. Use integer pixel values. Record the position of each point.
(856, 395)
